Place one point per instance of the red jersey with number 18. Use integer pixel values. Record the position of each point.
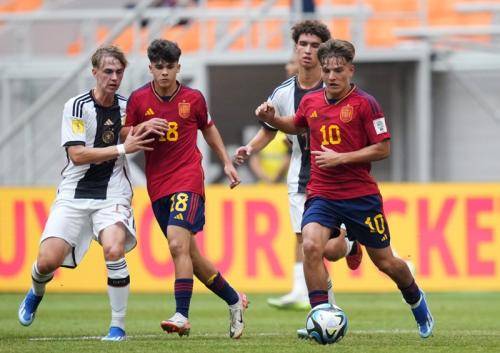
(349, 124)
(175, 163)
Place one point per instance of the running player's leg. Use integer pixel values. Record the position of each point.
(61, 234)
(112, 239)
(206, 272)
(365, 216)
(51, 255)
(297, 298)
(179, 219)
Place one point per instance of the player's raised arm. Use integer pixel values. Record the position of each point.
(214, 140)
(256, 144)
(266, 112)
(80, 154)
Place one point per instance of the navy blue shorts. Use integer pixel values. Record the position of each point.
(183, 209)
(363, 217)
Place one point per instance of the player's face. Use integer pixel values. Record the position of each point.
(164, 74)
(109, 75)
(337, 74)
(307, 50)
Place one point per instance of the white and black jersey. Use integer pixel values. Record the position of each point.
(286, 99)
(86, 123)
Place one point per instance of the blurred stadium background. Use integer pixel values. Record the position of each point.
(433, 64)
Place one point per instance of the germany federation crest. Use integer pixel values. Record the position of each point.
(346, 113)
(108, 136)
(184, 110)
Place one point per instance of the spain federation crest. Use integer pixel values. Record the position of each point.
(184, 110)
(346, 113)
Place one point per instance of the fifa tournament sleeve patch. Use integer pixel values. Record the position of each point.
(77, 126)
(380, 126)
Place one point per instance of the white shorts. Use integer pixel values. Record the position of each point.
(296, 201)
(79, 221)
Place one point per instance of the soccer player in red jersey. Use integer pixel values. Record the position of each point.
(347, 131)
(175, 178)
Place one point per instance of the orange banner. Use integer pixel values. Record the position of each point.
(450, 233)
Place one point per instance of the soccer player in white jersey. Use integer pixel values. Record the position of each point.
(93, 199)
(307, 35)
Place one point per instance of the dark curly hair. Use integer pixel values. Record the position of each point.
(311, 27)
(163, 50)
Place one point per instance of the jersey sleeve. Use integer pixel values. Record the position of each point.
(374, 121)
(203, 118)
(300, 119)
(131, 116)
(73, 127)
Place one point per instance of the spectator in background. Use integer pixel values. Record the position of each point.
(307, 6)
(271, 164)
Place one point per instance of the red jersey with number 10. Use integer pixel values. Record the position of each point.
(175, 163)
(350, 124)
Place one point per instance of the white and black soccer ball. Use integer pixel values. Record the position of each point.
(326, 324)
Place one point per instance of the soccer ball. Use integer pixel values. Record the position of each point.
(326, 324)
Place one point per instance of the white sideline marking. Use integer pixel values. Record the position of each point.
(215, 335)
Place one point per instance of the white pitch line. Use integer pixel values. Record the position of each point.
(215, 335)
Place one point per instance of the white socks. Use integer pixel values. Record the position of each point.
(299, 281)
(331, 297)
(118, 290)
(39, 281)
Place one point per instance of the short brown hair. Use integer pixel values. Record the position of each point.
(311, 27)
(336, 48)
(109, 50)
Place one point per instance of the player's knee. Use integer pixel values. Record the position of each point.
(46, 264)
(177, 247)
(113, 252)
(312, 249)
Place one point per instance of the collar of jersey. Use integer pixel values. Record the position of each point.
(341, 99)
(171, 97)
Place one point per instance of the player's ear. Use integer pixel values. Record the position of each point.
(94, 71)
(150, 68)
(178, 68)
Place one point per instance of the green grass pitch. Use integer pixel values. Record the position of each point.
(465, 322)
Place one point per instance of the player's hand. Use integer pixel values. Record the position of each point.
(327, 158)
(137, 142)
(265, 112)
(232, 175)
(156, 126)
(242, 154)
